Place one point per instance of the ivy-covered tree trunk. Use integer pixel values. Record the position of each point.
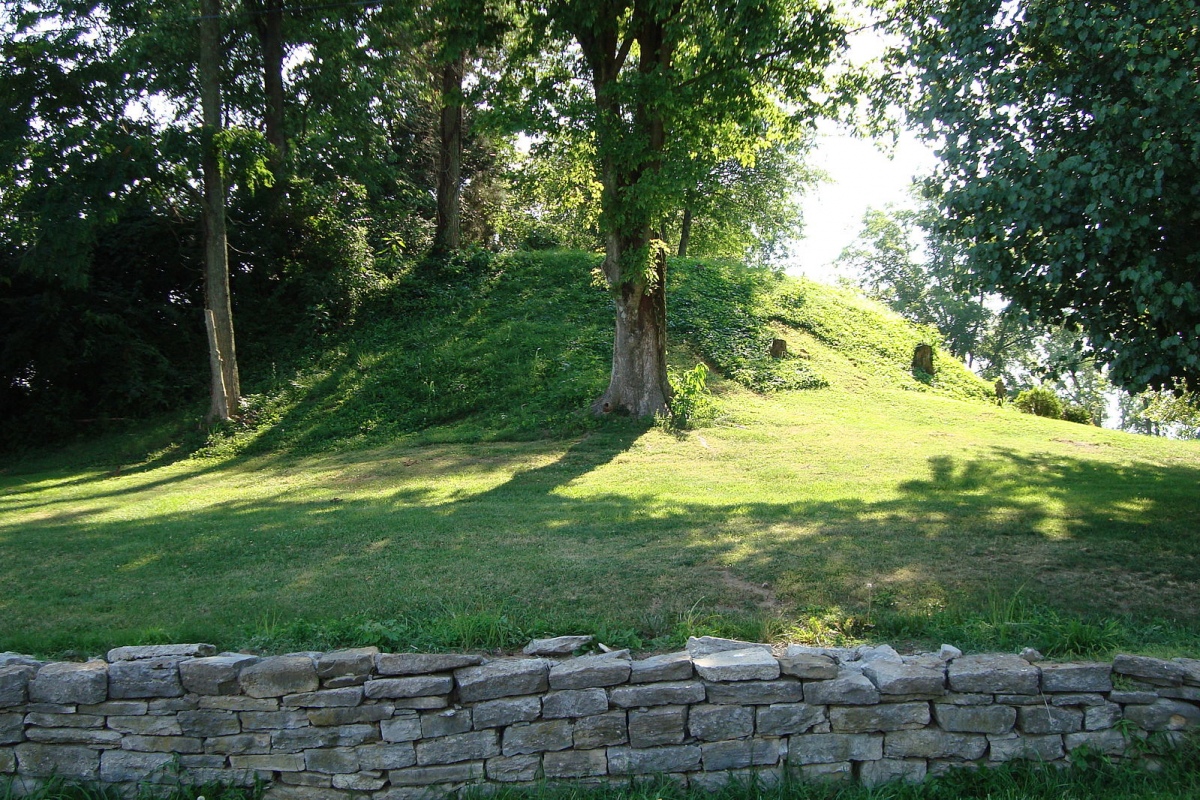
(226, 389)
(268, 20)
(638, 385)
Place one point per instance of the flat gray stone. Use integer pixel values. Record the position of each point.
(326, 717)
(658, 694)
(1076, 677)
(345, 697)
(809, 667)
(750, 664)
(653, 760)
(404, 727)
(349, 667)
(238, 744)
(423, 663)
(602, 730)
(273, 720)
(1098, 718)
(892, 677)
(1012, 746)
(1043, 719)
(1086, 699)
(459, 747)
(144, 677)
(294, 740)
(661, 725)
(536, 737)
(557, 646)
(176, 651)
(208, 723)
(892, 770)
(783, 719)
(429, 776)
(831, 748)
(502, 679)
(445, 723)
(12, 728)
(668, 667)
(214, 675)
(10, 659)
(62, 761)
(739, 754)
(713, 723)
(513, 769)
(756, 693)
(1164, 715)
(14, 684)
(930, 743)
(993, 674)
(850, 688)
(575, 764)
(332, 761)
(416, 686)
(507, 710)
(122, 766)
(1152, 670)
(1191, 670)
(878, 718)
(707, 645)
(387, 756)
(574, 703)
(588, 672)
(975, 719)
(1106, 742)
(868, 653)
(1133, 698)
(69, 684)
(841, 655)
(278, 676)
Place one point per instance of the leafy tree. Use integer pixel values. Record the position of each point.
(1070, 160)
(658, 84)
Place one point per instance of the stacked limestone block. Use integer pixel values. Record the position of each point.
(362, 724)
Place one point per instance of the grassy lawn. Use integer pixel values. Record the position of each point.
(856, 510)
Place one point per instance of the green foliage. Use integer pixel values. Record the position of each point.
(692, 404)
(1073, 412)
(1041, 402)
(724, 309)
(1069, 149)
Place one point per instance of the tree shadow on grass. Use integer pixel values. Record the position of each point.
(1080, 535)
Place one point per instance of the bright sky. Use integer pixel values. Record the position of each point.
(861, 176)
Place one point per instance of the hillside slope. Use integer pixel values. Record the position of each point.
(398, 491)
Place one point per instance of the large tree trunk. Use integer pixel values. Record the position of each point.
(638, 385)
(226, 389)
(448, 235)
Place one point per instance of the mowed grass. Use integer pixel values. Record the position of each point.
(857, 510)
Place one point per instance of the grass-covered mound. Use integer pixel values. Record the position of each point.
(398, 489)
(516, 346)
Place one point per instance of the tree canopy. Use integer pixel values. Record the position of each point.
(1071, 164)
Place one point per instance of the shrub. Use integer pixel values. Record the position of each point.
(1041, 402)
(692, 404)
(1073, 412)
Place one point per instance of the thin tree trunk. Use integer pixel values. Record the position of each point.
(685, 232)
(448, 235)
(270, 30)
(226, 391)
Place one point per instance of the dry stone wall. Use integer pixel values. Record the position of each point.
(391, 726)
